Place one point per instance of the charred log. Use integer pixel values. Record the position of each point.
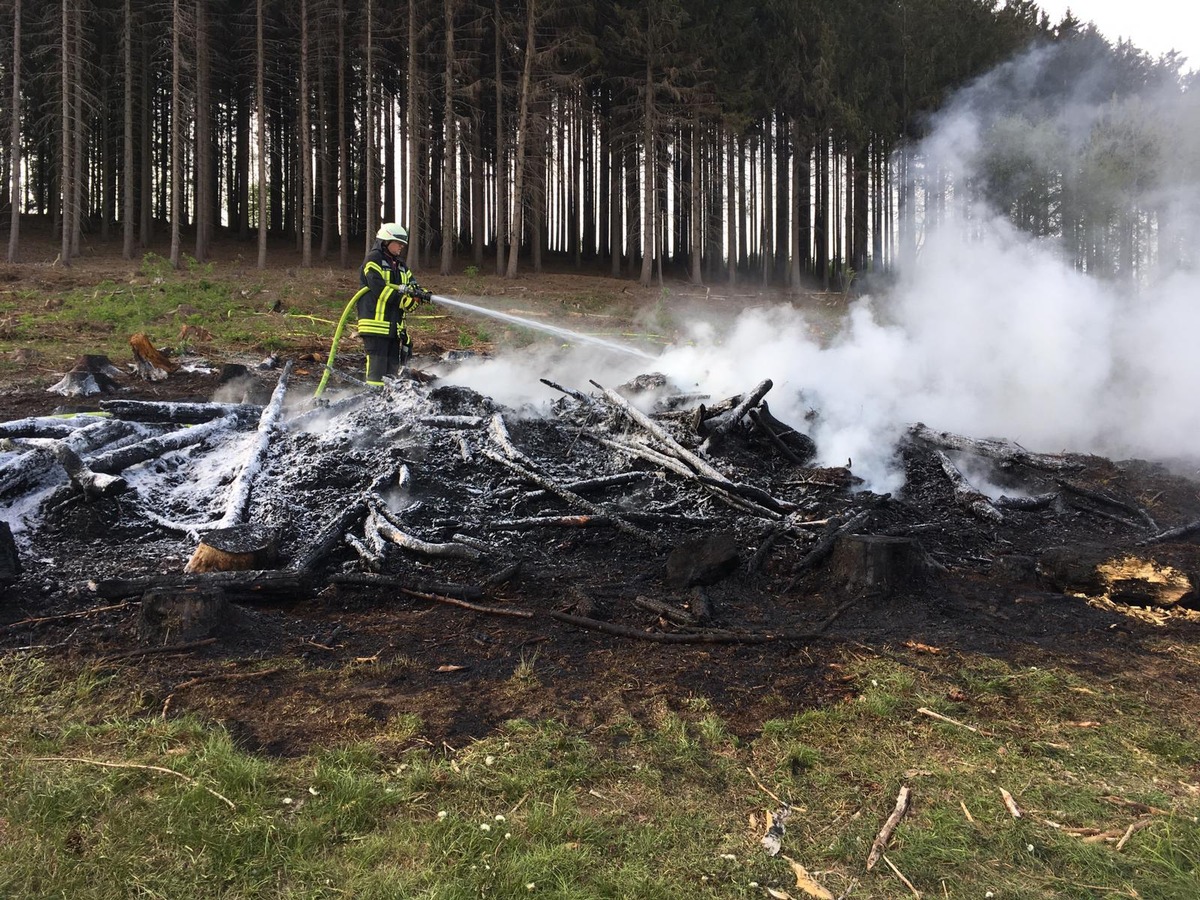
(122, 458)
(239, 493)
(719, 428)
(965, 494)
(179, 413)
(264, 585)
(790, 443)
(1005, 452)
(42, 427)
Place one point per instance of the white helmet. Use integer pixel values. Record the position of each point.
(390, 231)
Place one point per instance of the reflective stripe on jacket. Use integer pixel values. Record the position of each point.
(383, 297)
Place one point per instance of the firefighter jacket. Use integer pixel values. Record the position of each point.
(385, 295)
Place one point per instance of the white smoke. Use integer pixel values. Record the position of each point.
(990, 332)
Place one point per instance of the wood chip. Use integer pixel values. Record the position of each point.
(1010, 804)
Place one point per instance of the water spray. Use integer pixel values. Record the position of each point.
(564, 333)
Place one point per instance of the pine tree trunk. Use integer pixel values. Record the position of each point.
(449, 146)
(127, 180)
(260, 102)
(15, 140)
(305, 146)
(176, 133)
(416, 146)
(371, 222)
(64, 179)
(696, 241)
(501, 153)
(204, 161)
(343, 151)
(650, 197)
(524, 90)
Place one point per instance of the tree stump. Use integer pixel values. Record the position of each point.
(182, 614)
(875, 565)
(235, 549)
(151, 363)
(10, 559)
(93, 373)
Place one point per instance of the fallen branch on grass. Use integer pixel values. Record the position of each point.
(885, 833)
(161, 769)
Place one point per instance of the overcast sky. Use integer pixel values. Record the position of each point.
(1154, 25)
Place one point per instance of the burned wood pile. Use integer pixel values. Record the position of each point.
(635, 510)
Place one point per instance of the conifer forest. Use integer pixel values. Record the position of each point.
(784, 141)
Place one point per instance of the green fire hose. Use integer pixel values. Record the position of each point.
(337, 337)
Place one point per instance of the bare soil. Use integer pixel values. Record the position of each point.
(342, 661)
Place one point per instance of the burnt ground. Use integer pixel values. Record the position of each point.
(348, 658)
(334, 658)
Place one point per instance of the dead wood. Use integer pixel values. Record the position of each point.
(879, 845)
(150, 363)
(753, 494)
(825, 544)
(965, 495)
(1099, 497)
(770, 537)
(416, 545)
(511, 613)
(91, 374)
(237, 548)
(93, 485)
(238, 501)
(572, 498)
(121, 458)
(775, 439)
(666, 610)
(178, 413)
(241, 585)
(185, 647)
(41, 620)
(1040, 501)
(331, 535)
(596, 484)
(533, 522)
(671, 445)
(1172, 533)
(465, 422)
(1002, 451)
(458, 591)
(160, 769)
(43, 426)
(718, 428)
(19, 474)
(577, 395)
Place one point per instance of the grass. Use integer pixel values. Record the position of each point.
(670, 806)
(239, 313)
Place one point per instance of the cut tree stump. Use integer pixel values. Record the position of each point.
(180, 614)
(235, 549)
(92, 374)
(874, 565)
(150, 362)
(10, 559)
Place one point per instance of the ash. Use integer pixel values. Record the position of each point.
(642, 507)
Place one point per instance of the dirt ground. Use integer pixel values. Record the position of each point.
(335, 661)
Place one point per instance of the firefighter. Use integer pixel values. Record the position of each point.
(388, 291)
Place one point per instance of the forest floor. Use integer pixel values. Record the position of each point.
(345, 661)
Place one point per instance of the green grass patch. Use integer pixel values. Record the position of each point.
(666, 805)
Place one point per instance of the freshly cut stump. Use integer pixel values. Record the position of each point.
(235, 549)
(876, 565)
(182, 614)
